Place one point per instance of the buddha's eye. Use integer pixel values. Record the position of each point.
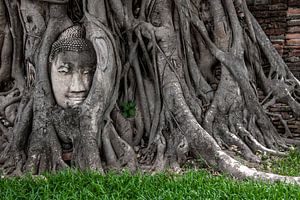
(87, 71)
(63, 69)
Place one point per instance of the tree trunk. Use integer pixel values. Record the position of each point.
(155, 99)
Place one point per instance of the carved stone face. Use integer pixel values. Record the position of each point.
(71, 77)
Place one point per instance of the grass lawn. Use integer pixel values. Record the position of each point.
(200, 184)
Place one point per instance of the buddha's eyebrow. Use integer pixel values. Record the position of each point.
(87, 66)
(64, 65)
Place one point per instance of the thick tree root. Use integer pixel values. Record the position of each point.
(165, 53)
(236, 169)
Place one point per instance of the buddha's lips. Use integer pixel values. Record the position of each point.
(76, 96)
(76, 99)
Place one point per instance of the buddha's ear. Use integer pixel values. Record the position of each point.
(31, 74)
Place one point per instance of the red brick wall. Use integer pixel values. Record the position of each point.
(281, 21)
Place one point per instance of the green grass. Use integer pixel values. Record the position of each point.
(201, 184)
(289, 165)
(191, 185)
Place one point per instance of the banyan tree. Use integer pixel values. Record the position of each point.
(139, 85)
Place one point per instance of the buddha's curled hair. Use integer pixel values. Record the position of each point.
(72, 39)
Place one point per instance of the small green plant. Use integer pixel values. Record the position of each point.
(128, 109)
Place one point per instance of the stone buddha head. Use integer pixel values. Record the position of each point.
(72, 66)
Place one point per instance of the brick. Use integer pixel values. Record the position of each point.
(293, 17)
(295, 22)
(294, 126)
(66, 156)
(280, 19)
(266, 14)
(294, 3)
(260, 7)
(278, 42)
(294, 52)
(293, 59)
(274, 25)
(278, 38)
(280, 6)
(258, 2)
(275, 31)
(293, 11)
(278, 46)
(278, 1)
(293, 42)
(287, 48)
(294, 66)
(271, 20)
(293, 36)
(293, 29)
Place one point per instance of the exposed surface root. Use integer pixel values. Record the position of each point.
(174, 80)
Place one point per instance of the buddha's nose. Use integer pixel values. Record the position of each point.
(77, 84)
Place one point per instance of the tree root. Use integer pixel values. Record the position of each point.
(123, 126)
(12, 101)
(284, 123)
(6, 56)
(231, 139)
(150, 47)
(124, 151)
(109, 153)
(237, 170)
(254, 144)
(139, 128)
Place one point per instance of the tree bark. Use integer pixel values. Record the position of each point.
(155, 99)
